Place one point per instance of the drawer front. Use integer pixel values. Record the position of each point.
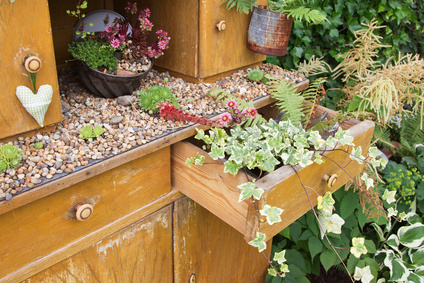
(44, 226)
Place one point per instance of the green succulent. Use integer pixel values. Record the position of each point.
(38, 145)
(149, 98)
(255, 75)
(89, 132)
(10, 157)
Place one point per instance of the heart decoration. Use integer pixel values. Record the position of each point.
(36, 103)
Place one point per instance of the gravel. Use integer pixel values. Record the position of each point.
(127, 125)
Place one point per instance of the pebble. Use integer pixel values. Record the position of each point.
(126, 124)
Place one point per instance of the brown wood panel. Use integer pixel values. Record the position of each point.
(180, 20)
(221, 51)
(25, 28)
(211, 250)
(48, 225)
(141, 252)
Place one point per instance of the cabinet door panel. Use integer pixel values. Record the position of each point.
(141, 252)
(211, 250)
(25, 29)
(222, 51)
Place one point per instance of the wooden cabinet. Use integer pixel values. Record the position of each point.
(25, 29)
(198, 50)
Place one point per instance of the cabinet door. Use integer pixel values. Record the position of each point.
(222, 51)
(141, 252)
(206, 249)
(25, 29)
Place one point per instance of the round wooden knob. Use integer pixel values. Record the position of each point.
(32, 64)
(331, 180)
(222, 25)
(83, 211)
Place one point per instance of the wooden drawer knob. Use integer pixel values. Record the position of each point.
(32, 64)
(221, 26)
(83, 211)
(331, 180)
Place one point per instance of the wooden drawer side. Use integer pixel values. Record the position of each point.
(208, 185)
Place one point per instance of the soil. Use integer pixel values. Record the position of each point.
(332, 276)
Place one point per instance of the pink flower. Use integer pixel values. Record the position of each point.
(232, 104)
(252, 112)
(108, 28)
(225, 118)
(162, 44)
(115, 43)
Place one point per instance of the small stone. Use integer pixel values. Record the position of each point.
(115, 120)
(125, 100)
(8, 196)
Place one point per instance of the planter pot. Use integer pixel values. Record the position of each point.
(217, 191)
(269, 32)
(107, 85)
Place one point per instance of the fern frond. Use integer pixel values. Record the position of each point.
(310, 95)
(410, 135)
(314, 66)
(311, 16)
(288, 101)
(243, 6)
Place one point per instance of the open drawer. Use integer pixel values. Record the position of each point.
(217, 191)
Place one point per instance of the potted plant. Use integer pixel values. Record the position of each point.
(271, 24)
(112, 61)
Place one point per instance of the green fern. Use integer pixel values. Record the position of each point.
(288, 101)
(243, 6)
(410, 135)
(298, 10)
(310, 95)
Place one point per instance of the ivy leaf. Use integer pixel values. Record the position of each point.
(272, 214)
(326, 203)
(272, 271)
(358, 247)
(391, 212)
(216, 152)
(280, 257)
(231, 167)
(389, 196)
(373, 152)
(357, 154)
(330, 223)
(259, 242)
(363, 274)
(369, 182)
(248, 190)
(344, 137)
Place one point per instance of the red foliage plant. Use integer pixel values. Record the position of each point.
(169, 112)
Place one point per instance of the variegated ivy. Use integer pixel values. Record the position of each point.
(275, 144)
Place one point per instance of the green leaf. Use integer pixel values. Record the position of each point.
(248, 190)
(411, 236)
(398, 272)
(232, 167)
(280, 257)
(272, 213)
(216, 152)
(315, 246)
(417, 257)
(348, 204)
(326, 203)
(328, 258)
(259, 241)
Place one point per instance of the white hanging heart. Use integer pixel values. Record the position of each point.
(36, 103)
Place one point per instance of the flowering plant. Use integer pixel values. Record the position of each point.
(133, 42)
